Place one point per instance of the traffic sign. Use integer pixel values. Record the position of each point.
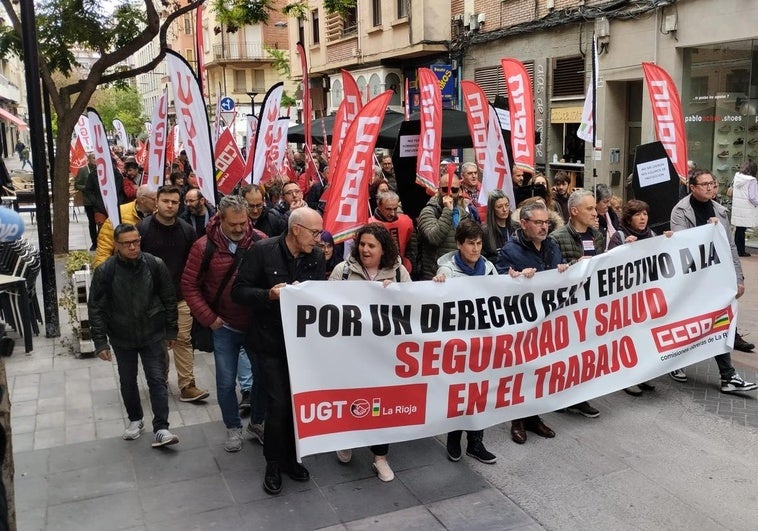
(226, 104)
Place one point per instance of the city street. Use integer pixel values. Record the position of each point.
(681, 457)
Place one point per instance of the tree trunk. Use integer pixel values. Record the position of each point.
(60, 177)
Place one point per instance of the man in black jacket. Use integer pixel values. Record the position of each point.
(267, 220)
(266, 269)
(132, 303)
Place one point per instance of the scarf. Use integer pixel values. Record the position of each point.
(456, 217)
(478, 270)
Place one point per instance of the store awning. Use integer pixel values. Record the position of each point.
(5, 115)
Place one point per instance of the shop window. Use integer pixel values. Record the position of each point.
(374, 85)
(392, 82)
(336, 93)
(568, 77)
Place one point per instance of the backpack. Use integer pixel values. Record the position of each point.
(187, 230)
(109, 268)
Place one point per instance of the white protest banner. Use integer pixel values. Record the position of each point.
(156, 166)
(105, 177)
(371, 365)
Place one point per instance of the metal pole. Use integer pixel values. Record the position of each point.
(41, 189)
(49, 132)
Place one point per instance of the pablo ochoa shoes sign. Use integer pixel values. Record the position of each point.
(339, 410)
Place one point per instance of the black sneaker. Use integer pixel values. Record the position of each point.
(245, 404)
(454, 446)
(584, 408)
(735, 384)
(480, 453)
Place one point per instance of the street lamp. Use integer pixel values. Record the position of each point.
(252, 102)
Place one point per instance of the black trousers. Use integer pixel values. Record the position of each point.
(279, 442)
(90, 211)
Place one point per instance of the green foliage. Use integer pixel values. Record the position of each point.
(298, 10)
(287, 100)
(122, 103)
(236, 13)
(340, 7)
(281, 60)
(76, 261)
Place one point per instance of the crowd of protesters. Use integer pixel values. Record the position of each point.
(177, 268)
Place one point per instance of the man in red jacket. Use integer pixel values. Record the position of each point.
(399, 225)
(206, 284)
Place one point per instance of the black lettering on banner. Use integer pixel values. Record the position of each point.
(385, 318)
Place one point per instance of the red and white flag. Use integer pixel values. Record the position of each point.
(349, 108)
(158, 142)
(77, 156)
(430, 143)
(586, 129)
(104, 164)
(477, 115)
(192, 122)
(521, 108)
(407, 102)
(277, 145)
(667, 115)
(141, 154)
(84, 132)
(252, 129)
(311, 169)
(266, 136)
(123, 138)
(496, 171)
(230, 167)
(349, 208)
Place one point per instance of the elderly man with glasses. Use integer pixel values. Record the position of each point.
(266, 268)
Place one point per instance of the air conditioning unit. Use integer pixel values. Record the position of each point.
(355, 51)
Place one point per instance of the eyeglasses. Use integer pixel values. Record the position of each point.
(709, 184)
(539, 222)
(255, 207)
(130, 243)
(454, 189)
(314, 232)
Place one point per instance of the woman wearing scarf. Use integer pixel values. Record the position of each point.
(467, 261)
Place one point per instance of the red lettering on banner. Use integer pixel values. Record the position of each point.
(666, 126)
(509, 391)
(429, 141)
(631, 309)
(520, 142)
(688, 331)
(455, 400)
(100, 151)
(184, 95)
(475, 108)
(356, 172)
(340, 410)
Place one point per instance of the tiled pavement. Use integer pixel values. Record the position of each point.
(683, 457)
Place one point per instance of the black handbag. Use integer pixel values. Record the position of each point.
(202, 336)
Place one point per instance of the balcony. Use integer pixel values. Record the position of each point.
(234, 51)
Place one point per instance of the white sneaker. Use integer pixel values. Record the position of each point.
(233, 440)
(134, 430)
(382, 469)
(344, 456)
(164, 438)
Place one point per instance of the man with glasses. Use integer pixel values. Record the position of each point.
(694, 210)
(437, 223)
(292, 198)
(198, 211)
(266, 268)
(132, 304)
(265, 219)
(530, 251)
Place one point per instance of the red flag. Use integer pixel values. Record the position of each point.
(347, 111)
(267, 129)
(141, 154)
(477, 115)
(667, 115)
(521, 108)
(287, 169)
(430, 143)
(230, 168)
(77, 156)
(311, 171)
(170, 148)
(192, 120)
(352, 172)
(103, 160)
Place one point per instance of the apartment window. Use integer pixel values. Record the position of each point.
(314, 25)
(492, 81)
(188, 20)
(259, 83)
(402, 8)
(240, 81)
(568, 76)
(376, 12)
(350, 21)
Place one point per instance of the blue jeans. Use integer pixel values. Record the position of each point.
(154, 365)
(227, 345)
(244, 372)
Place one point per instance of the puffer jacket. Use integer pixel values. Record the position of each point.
(519, 253)
(200, 291)
(570, 242)
(105, 245)
(436, 234)
(744, 211)
(264, 265)
(132, 303)
(356, 272)
(447, 266)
